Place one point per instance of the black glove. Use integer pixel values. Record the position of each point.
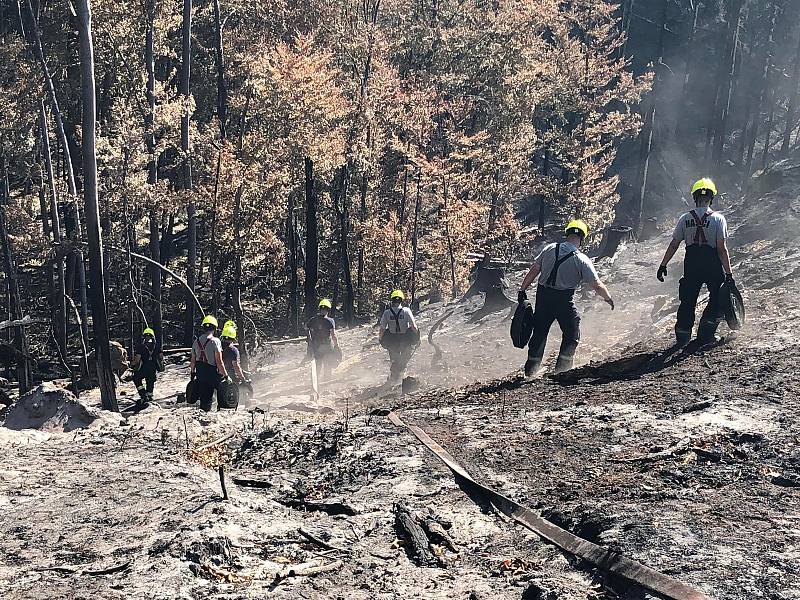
(522, 296)
(610, 302)
(662, 272)
(729, 279)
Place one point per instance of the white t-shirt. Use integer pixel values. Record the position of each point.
(715, 227)
(404, 320)
(207, 345)
(572, 272)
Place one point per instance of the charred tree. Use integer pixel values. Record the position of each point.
(340, 205)
(415, 239)
(58, 301)
(646, 135)
(149, 117)
(219, 59)
(727, 77)
(105, 374)
(191, 210)
(238, 311)
(14, 304)
(312, 243)
(152, 175)
(294, 294)
(791, 109)
(35, 42)
(155, 277)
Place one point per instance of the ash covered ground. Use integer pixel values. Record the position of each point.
(686, 461)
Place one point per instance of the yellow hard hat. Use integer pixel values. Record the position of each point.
(325, 303)
(228, 331)
(577, 226)
(397, 294)
(210, 320)
(704, 184)
(229, 324)
(149, 331)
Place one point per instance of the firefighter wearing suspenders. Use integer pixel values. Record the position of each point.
(707, 261)
(207, 365)
(398, 333)
(563, 267)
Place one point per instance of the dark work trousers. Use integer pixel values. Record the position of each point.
(323, 356)
(555, 305)
(401, 349)
(206, 384)
(145, 380)
(701, 266)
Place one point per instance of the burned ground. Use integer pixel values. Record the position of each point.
(687, 461)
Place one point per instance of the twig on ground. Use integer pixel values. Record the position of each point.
(320, 542)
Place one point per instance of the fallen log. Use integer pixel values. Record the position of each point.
(331, 508)
(417, 542)
(252, 483)
(438, 535)
(91, 572)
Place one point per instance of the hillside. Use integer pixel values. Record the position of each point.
(687, 461)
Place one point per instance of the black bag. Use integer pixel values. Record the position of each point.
(336, 355)
(522, 324)
(191, 398)
(227, 395)
(731, 306)
(414, 336)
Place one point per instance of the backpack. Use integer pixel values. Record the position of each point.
(522, 324)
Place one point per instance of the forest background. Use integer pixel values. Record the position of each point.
(270, 153)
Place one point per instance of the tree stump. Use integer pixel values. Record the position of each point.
(492, 282)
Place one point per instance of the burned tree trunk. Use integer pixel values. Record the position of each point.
(155, 277)
(450, 251)
(340, 204)
(149, 118)
(219, 59)
(105, 373)
(727, 77)
(14, 305)
(791, 109)
(291, 238)
(646, 135)
(58, 301)
(191, 210)
(312, 246)
(35, 42)
(415, 239)
(237, 273)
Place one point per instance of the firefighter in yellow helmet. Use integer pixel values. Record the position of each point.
(148, 360)
(705, 233)
(398, 333)
(323, 345)
(206, 364)
(561, 268)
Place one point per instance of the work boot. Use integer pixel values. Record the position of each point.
(706, 333)
(682, 338)
(532, 367)
(563, 363)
